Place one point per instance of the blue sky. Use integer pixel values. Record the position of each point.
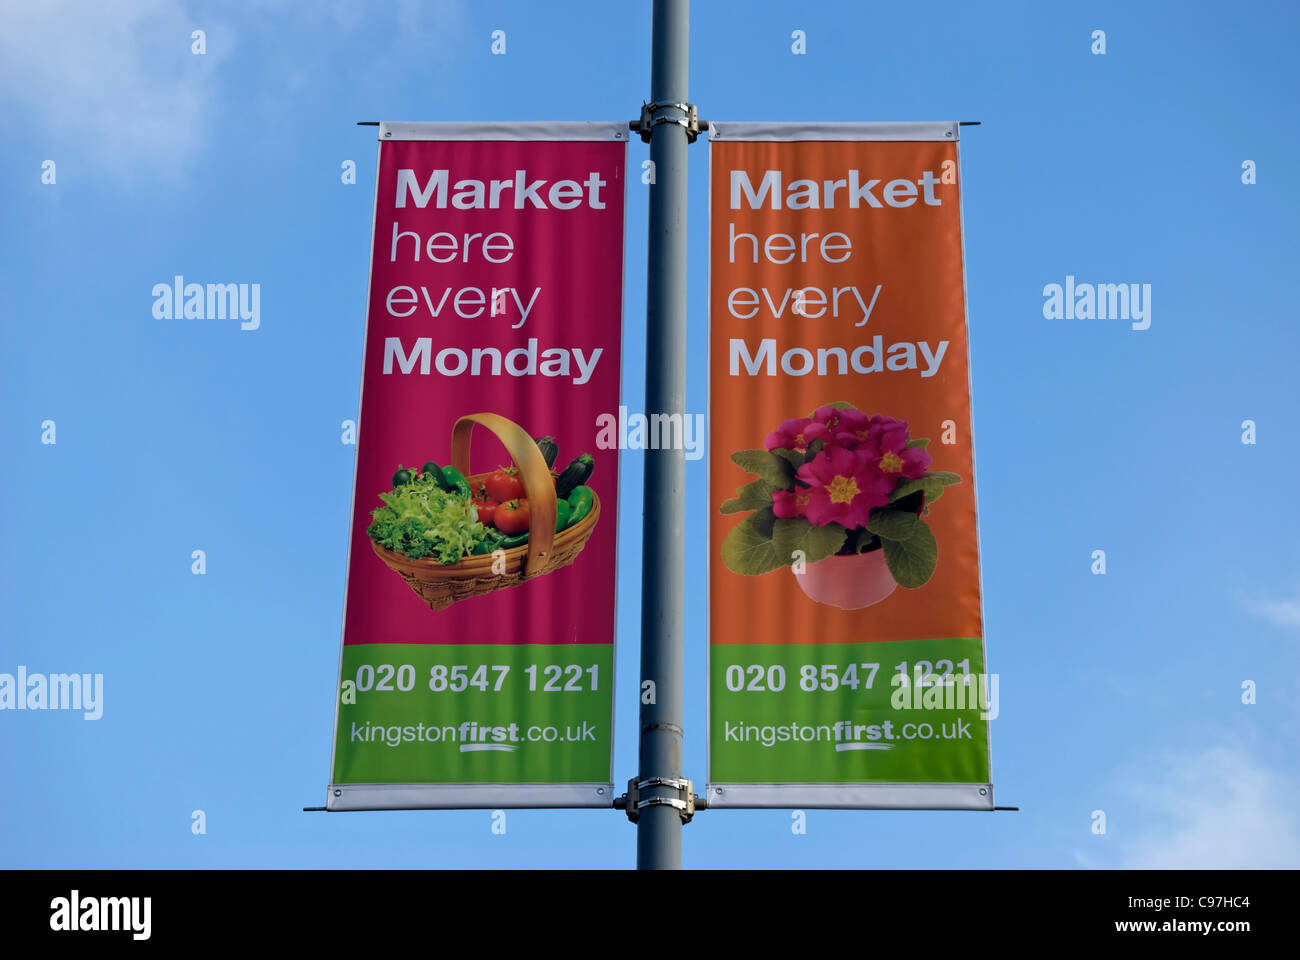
(1119, 693)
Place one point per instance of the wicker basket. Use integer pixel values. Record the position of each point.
(440, 584)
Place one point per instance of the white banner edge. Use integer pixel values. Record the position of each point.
(923, 130)
(522, 130)
(851, 796)
(468, 796)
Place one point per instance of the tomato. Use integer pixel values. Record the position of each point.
(504, 484)
(512, 517)
(486, 510)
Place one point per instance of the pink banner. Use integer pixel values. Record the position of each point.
(495, 289)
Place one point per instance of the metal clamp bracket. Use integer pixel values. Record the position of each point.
(691, 122)
(684, 802)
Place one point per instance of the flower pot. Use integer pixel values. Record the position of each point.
(850, 581)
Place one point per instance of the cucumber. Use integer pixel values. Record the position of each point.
(550, 449)
(562, 510)
(575, 474)
(434, 473)
(454, 482)
(580, 503)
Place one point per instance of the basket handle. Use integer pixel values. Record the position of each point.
(533, 471)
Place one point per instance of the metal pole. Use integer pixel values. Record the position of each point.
(659, 827)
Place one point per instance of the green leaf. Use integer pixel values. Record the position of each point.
(798, 533)
(814, 448)
(752, 496)
(933, 489)
(911, 562)
(792, 457)
(932, 483)
(921, 442)
(837, 404)
(860, 540)
(892, 524)
(767, 465)
(748, 548)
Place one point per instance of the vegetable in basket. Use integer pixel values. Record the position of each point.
(492, 543)
(454, 480)
(486, 510)
(512, 517)
(504, 484)
(434, 472)
(579, 503)
(420, 519)
(550, 449)
(437, 513)
(575, 474)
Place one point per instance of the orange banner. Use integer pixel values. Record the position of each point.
(841, 476)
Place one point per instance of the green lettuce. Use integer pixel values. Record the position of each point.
(420, 519)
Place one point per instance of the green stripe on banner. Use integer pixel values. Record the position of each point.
(839, 713)
(475, 713)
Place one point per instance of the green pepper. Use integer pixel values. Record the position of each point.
(562, 510)
(455, 482)
(486, 546)
(580, 503)
(518, 540)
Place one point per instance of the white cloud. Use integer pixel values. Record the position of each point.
(1282, 613)
(117, 83)
(1217, 808)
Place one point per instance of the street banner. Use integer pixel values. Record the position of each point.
(846, 647)
(477, 662)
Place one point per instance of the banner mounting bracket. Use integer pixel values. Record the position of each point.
(691, 122)
(686, 802)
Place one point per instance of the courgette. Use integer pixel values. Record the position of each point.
(434, 473)
(550, 449)
(575, 475)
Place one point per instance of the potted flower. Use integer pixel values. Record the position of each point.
(840, 498)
